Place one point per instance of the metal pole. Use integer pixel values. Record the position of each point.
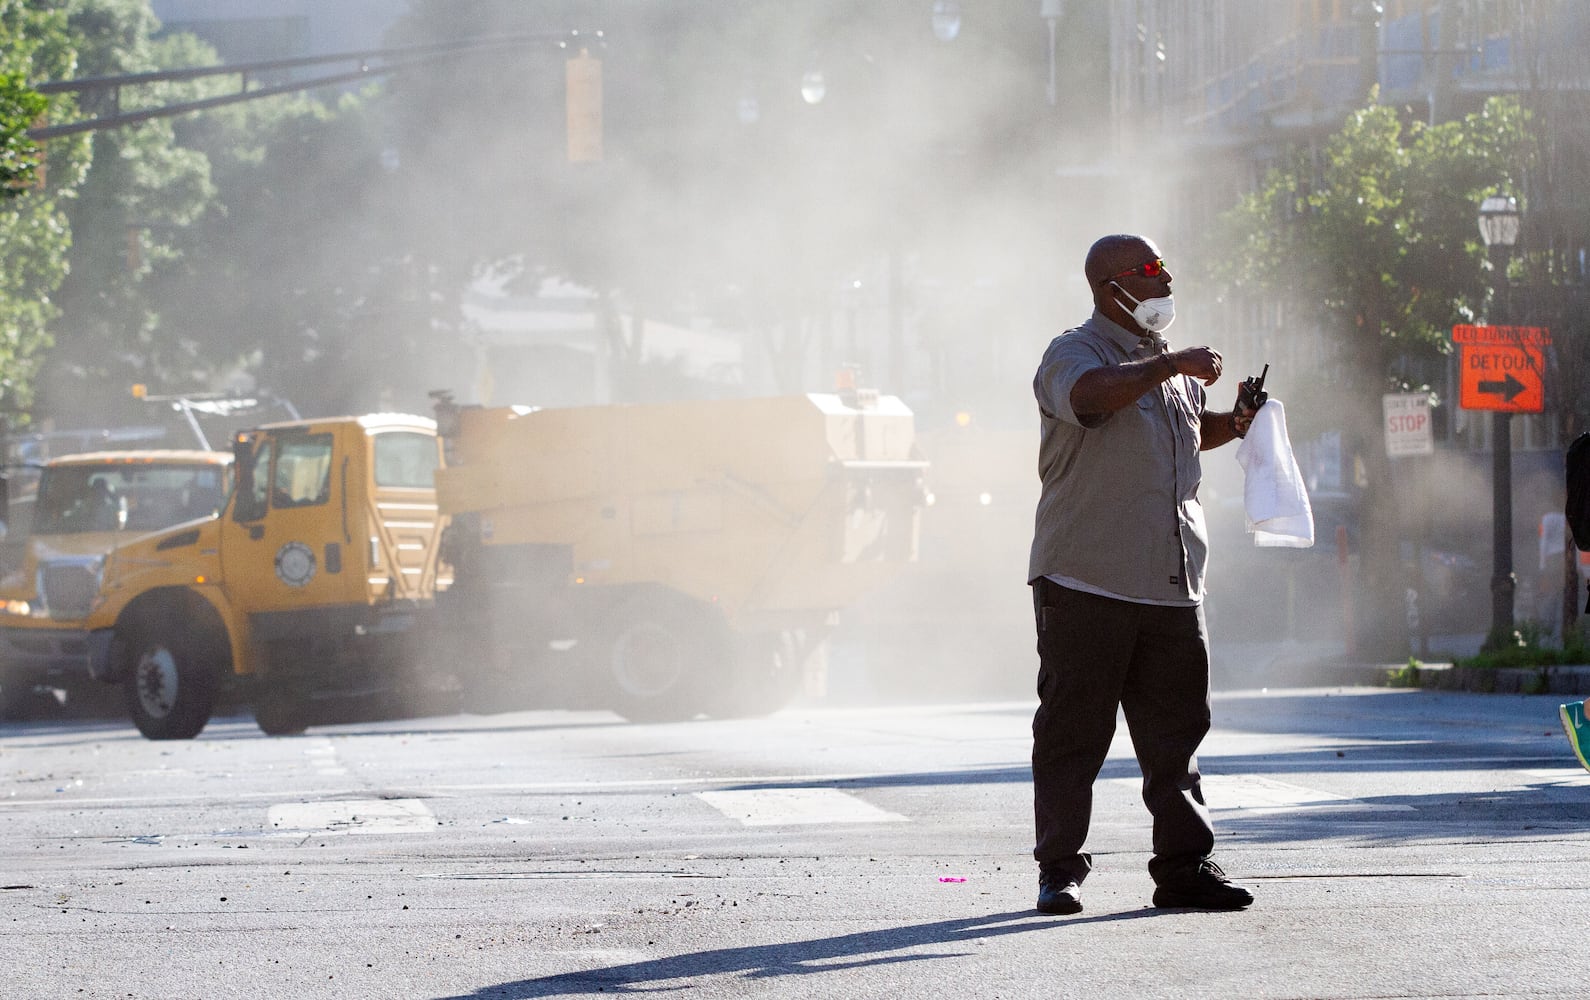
(1421, 547)
(1053, 93)
(1051, 10)
(1570, 585)
(1503, 583)
(897, 367)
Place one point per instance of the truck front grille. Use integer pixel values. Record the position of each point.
(69, 589)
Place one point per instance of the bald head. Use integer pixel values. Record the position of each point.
(1114, 254)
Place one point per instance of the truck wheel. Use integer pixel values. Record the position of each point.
(169, 688)
(767, 676)
(660, 661)
(15, 700)
(279, 714)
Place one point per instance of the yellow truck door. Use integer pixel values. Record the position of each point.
(289, 540)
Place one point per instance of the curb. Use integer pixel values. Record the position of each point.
(1570, 679)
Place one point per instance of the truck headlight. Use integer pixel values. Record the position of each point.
(21, 609)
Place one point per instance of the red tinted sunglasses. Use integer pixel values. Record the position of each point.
(1152, 269)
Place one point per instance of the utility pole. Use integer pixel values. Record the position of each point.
(1499, 221)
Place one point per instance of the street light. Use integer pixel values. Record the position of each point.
(946, 20)
(1499, 221)
(814, 87)
(1051, 11)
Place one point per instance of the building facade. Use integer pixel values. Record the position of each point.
(261, 30)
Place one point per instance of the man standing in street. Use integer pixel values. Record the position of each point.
(1117, 574)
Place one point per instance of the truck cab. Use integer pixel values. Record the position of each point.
(84, 507)
(296, 590)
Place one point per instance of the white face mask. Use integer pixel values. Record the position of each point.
(1153, 315)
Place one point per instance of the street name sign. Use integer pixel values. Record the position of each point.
(1407, 424)
(1502, 367)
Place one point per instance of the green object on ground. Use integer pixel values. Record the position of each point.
(1573, 723)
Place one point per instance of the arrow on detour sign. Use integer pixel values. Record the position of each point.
(1503, 367)
(1508, 388)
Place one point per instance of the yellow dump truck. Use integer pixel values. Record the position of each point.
(58, 538)
(661, 560)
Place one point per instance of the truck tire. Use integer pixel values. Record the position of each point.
(767, 676)
(170, 686)
(661, 660)
(281, 704)
(15, 700)
(280, 714)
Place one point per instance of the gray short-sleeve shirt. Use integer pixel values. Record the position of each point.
(1119, 512)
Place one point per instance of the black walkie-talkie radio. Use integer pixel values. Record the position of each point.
(1251, 394)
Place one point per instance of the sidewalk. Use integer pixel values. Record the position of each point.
(1291, 663)
(1568, 679)
(1239, 666)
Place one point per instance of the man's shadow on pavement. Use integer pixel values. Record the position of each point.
(792, 958)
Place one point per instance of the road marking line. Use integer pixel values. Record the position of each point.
(781, 806)
(564, 876)
(324, 758)
(1255, 795)
(351, 816)
(1562, 775)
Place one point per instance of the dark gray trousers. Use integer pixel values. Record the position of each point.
(1096, 654)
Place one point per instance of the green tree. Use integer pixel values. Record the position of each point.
(306, 275)
(1371, 239)
(35, 44)
(252, 240)
(128, 222)
(20, 157)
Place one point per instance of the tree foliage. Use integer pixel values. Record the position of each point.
(128, 223)
(35, 44)
(305, 276)
(20, 106)
(1370, 238)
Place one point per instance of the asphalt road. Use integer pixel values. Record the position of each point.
(1400, 843)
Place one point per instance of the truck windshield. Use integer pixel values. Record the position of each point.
(135, 497)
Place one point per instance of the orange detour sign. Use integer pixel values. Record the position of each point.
(1503, 367)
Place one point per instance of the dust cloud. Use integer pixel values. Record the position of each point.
(790, 189)
(787, 189)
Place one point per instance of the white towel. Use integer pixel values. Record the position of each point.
(1274, 498)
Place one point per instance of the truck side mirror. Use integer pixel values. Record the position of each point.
(245, 507)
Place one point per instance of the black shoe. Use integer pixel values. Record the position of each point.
(1206, 888)
(1059, 894)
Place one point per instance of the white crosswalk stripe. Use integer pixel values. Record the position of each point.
(1562, 775)
(789, 806)
(1252, 794)
(351, 816)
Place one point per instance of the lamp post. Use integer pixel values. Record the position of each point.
(1499, 222)
(946, 20)
(1051, 11)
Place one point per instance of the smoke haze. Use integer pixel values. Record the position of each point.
(788, 189)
